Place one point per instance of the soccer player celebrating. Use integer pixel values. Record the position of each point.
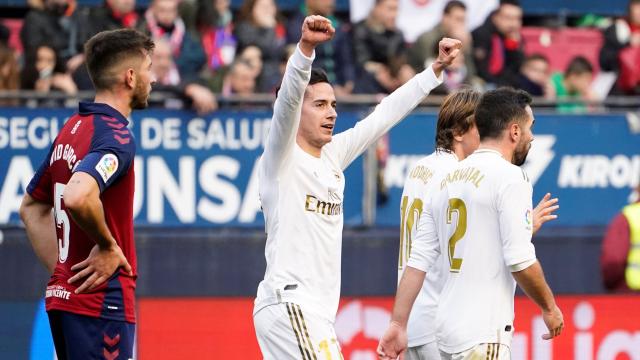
(301, 185)
(456, 138)
(88, 179)
(480, 219)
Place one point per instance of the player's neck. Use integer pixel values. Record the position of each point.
(307, 147)
(120, 103)
(496, 145)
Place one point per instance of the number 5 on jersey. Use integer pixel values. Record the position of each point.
(62, 221)
(457, 206)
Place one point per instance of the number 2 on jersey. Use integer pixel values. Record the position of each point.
(62, 220)
(457, 206)
(407, 220)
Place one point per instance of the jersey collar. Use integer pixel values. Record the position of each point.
(92, 108)
(488, 151)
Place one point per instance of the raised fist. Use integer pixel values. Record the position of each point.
(448, 50)
(316, 29)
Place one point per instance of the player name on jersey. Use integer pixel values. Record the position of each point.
(64, 152)
(470, 175)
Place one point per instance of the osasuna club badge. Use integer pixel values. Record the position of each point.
(107, 166)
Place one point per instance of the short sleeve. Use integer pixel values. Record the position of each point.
(425, 248)
(110, 156)
(40, 185)
(515, 213)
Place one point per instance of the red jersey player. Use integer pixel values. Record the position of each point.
(88, 179)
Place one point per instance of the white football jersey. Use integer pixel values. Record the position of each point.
(419, 187)
(302, 196)
(483, 220)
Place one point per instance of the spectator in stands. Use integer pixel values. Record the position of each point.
(380, 52)
(621, 51)
(5, 33)
(258, 25)
(9, 73)
(241, 79)
(60, 26)
(161, 21)
(452, 25)
(168, 79)
(41, 74)
(497, 45)
(574, 85)
(620, 257)
(214, 24)
(535, 76)
(112, 15)
(334, 57)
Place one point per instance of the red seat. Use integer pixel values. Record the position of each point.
(562, 45)
(14, 25)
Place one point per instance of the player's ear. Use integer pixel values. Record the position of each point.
(130, 78)
(515, 131)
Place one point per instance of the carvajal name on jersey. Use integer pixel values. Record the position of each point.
(57, 291)
(470, 175)
(316, 205)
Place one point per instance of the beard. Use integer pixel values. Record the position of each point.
(520, 155)
(140, 97)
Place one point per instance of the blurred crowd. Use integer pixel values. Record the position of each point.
(203, 48)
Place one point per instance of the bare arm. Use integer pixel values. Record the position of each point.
(394, 341)
(40, 226)
(531, 280)
(82, 200)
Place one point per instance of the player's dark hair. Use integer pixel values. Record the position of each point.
(498, 108)
(109, 48)
(456, 116)
(578, 65)
(318, 75)
(510, 2)
(454, 4)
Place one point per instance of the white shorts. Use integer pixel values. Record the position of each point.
(285, 332)
(427, 351)
(481, 352)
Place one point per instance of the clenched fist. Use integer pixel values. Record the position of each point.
(448, 50)
(315, 30)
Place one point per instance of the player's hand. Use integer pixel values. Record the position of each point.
(316, 29)
(554, 321)
(448, 50)
(544, 211)
(99, 266)
(393, 343)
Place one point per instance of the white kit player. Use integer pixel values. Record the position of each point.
(479, 226)
(456, 138)
(301, 184)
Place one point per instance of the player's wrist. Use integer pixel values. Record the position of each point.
(307, 47)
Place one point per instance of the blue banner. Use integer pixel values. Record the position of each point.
(200, 171)
(190, 170)
(590, 162)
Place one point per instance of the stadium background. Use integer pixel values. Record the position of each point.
(200, 238)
